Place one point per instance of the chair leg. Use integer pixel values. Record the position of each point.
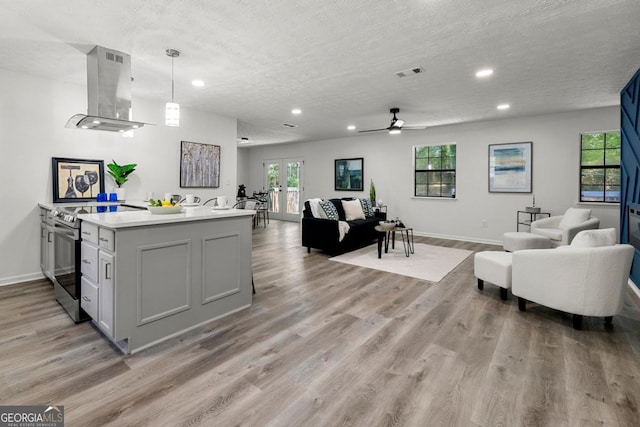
(252, 285)
(522, 304)
(577, 321)
(503, 294)
(308, 249)
(480, 284)
(608, 320)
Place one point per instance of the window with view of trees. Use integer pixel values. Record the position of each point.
(600, 167)
(435, 171)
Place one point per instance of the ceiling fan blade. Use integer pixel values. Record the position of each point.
(372, 130)
(414, 127)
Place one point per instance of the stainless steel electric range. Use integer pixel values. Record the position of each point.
(67, 256)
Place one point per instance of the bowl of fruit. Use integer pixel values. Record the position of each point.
(163, 207)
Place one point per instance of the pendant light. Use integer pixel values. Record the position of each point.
(172, 111)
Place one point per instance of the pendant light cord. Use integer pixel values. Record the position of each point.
(172, 84)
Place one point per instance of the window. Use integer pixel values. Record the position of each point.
(600, 167)
(435, 170)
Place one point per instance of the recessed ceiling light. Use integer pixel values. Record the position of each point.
(197, 83)
(504, 106)
(351, 127)
(484, 73)
(296, 111)
(243, 140)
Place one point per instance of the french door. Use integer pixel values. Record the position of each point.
(284, 185)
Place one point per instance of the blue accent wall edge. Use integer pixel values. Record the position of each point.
(630, 161)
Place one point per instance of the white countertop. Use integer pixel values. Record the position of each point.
(144, 217)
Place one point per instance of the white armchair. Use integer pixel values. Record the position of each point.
(562, 229)
(579, 279)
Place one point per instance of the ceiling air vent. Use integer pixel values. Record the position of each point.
(410, 72)
(289, 125)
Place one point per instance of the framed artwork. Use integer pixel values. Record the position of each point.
(349, 174)
(199, 165)
(510, 167)
(76, 180)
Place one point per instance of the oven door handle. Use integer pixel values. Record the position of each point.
(65, 231)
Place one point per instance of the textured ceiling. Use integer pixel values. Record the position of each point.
(336, 59)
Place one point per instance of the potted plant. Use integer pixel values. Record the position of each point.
(372, 194)
(120, 174)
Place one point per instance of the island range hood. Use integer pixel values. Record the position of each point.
(109, 93)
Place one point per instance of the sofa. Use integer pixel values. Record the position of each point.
(324, 234)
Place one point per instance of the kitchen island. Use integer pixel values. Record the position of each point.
(148, 277)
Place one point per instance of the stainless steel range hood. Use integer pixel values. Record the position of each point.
(109, 93)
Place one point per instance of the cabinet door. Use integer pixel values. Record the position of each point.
(105, 292)
(89, 300)
(46, 250)
(89, 232)
(107, 239)
(89, 261)
(43, 248)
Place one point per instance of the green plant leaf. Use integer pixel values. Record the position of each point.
(120, 173)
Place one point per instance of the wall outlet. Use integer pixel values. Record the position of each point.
(483, 223)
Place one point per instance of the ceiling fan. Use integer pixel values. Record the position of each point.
(396, 125)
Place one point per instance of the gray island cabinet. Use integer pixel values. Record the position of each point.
(146, 277)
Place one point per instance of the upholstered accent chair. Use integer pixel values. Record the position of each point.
(587, 278)
(562, 229)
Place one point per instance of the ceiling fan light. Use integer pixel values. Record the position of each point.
(394, 130)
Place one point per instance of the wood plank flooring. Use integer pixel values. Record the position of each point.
(328, 344)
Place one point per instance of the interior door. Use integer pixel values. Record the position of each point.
(284, 185)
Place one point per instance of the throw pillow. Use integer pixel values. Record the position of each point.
(352, 209)
(367, 208)
(329, 210)
(573, 217)
(595, 238)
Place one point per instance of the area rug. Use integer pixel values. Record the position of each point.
(428, 262)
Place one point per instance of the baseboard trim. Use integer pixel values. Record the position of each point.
(460, 238)
(6, 281)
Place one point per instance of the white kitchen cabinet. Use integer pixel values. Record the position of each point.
(89, 261)
(98, 263)
(89, 233)
(47, 247)
(89, 300)
(105, 292)
(162, 275)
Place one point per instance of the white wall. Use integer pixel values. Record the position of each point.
(388, 161)
(244, 166)
(33, 112)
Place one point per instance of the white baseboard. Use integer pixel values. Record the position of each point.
(460, 238)
(6, 281)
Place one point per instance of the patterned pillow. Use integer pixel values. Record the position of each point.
(329, 209)
(367, 208)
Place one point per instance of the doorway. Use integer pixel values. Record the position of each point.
(284, 185)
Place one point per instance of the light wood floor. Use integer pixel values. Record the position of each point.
(328, 344)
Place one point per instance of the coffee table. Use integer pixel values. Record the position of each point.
(386, 234)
